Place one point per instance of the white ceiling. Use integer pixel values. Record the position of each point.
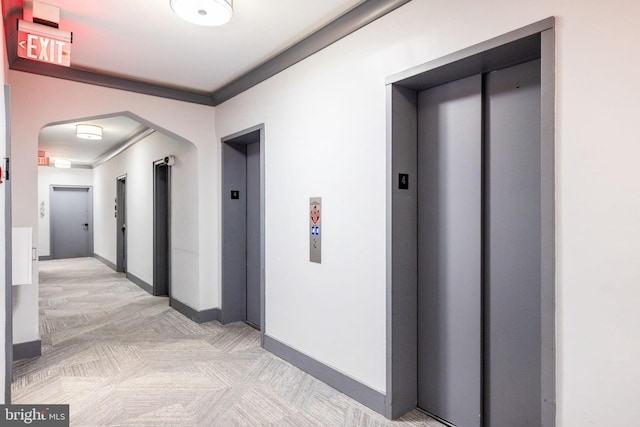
(143, 40)
(59, 140)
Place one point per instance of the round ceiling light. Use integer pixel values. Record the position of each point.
(204, 12)
(62, 163)
(89, 132)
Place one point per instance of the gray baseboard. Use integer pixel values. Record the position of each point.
(27, 350)
(105, 261)
(341, 382)
(196, 316)
(141, 283)
(45, 258)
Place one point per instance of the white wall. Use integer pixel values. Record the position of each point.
(331, 107)
(46, 177)
(3, 296)
(38, 101)
(137, 163)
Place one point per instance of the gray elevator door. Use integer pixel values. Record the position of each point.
(70, 223)
(161, 230)
(241, 232)
(512, 247)
(450, 251)
(234, 240)
(479, 207)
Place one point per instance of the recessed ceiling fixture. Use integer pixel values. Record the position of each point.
(88, 132)
(209, 13)
(62, 163)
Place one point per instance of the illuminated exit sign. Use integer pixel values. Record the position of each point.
(43, 161)
(44, 44)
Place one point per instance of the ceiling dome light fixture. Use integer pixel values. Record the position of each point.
(88, 132)
(208, 13)
(62, 163)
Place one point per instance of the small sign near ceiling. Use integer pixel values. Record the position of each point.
(44, 45)
(43, 161)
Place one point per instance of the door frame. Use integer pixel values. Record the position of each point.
(533, 41)
(89, 189)
(121, 238)
(8, 249)
(156, 247)
(245, 137)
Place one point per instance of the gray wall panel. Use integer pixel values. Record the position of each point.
(26, 350)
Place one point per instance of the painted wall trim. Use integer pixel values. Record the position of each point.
(197, 316)
(8, 281)
(351, 21)
(45, 258)
(13, 10)
(141, 283)
(548, 225)
(105, 261)
(402, 261)
(354, 19)
(336, 379)
(27, 350)
(404, 77)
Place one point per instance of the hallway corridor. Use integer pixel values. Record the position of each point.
(120, 357)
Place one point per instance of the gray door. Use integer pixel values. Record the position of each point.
(234, 233)
(241, 230)
(121, 224)
(450, 251)
(161, 229)
(71, 222)
(513, 247)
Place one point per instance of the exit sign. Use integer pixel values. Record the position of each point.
(44, 44)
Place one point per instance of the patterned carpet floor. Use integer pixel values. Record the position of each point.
(121, 357)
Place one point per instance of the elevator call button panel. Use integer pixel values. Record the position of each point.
(315, 236)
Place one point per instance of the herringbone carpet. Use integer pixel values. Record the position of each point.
(120, 357)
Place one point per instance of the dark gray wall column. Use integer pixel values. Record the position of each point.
(402, 263)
